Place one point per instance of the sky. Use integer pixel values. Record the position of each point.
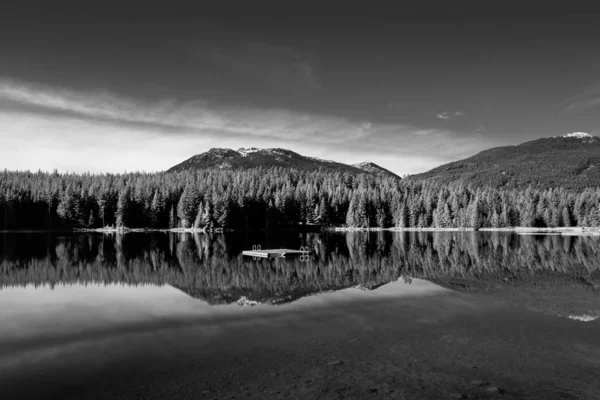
(136, 87)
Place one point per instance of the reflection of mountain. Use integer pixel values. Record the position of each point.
(550, 273)
(553, 293)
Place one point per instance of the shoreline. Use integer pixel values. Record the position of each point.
(563, 230)
(593, 231)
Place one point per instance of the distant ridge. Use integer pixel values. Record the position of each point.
(373, 168)
(571, 161)
(252, 157)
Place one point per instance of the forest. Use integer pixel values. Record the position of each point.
(277, 198)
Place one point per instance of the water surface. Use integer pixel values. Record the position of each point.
(76, 308)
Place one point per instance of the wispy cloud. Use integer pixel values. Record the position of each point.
(449, 114)
(480, 129)
(582, 105)
(50, 128)
(584, 100)
(279, 67)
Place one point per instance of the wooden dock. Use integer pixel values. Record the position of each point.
(274, 253)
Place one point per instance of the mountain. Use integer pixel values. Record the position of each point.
(373, 168)
(253, 157)
(571, 161)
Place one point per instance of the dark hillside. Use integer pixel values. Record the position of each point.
(571, 162)
(246, 158)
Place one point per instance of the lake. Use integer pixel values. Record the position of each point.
(179, 315)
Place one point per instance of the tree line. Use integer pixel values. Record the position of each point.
(211, 267)
(278, 197)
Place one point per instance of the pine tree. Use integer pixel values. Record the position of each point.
(223, 213)
(351, 220)
(101, 209)
(362, 212)
(324, 212)
(156, 209)
(185, 207)
(91, 220)
(528, 215)
(198, 223)
(594, 217)
(382, 215)
(476, 215)
(172, 218)
(402, 216)
(122, 212)
(206, 221)
(495, 220)
(64, 207)
(566, 218)
(505, 216)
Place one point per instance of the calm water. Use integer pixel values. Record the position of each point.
(73, 306)
(554, 273)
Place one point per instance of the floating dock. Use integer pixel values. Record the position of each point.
(274, 253)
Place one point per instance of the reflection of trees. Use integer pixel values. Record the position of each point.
(211, 267)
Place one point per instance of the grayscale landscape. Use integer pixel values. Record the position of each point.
(261, 202)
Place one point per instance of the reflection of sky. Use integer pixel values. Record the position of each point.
(36, 312)
(32, 311)
(42, 323)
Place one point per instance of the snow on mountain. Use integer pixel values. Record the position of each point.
(320, 159)
(244, 151)
(577, 135)
(371, 167)
(584, 318)
(253, 157)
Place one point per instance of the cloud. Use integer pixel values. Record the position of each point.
(582, 105)
(584, 100)
(448, 114)
(279, 67)
(47, 128)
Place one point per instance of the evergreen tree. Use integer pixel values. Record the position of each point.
(351, 219)
(172, 218)
(185, 207)
(156, 209)
(122, 212)
(495, 220)
(198, 221)
(206, 220)
(324, 212)
(91, 221)
(528, 215)
(566, 217)
(476, 214)
(402, 218)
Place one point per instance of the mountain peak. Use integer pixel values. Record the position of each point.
(253, 157)
(577, 135)
(371, 167)
(365, 164)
